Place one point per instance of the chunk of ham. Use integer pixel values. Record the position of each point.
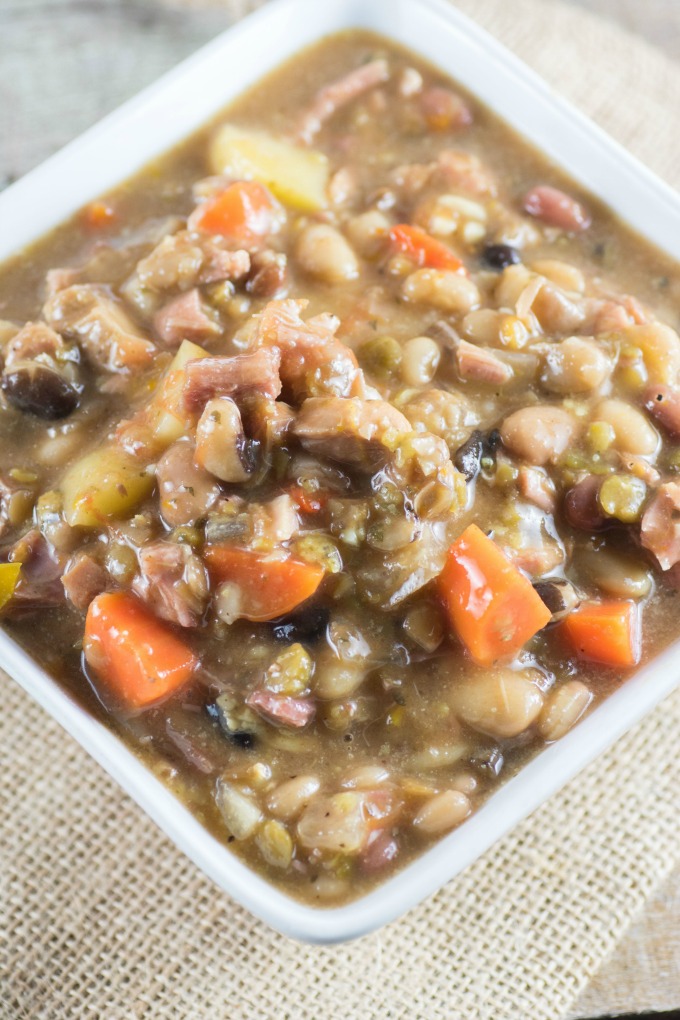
(481, 365)
(294, 713)
(352, 431)
(83, 580)
(37, 342)
(660, 528)
(185, 318)
(185, 260)
(60, 279)
(336, 95)
(232, 377)
(39, 585)
(453, 169)
(313, 361)
(173, 581)
(536, 486)
(90, 314)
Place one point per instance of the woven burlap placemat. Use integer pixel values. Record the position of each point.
(102, 919)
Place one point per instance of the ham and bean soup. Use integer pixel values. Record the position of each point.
(340, 466)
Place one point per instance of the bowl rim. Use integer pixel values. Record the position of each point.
(441, 33)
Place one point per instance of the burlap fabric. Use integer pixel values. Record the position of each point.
(100, 917)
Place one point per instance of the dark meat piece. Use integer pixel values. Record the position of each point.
(282, 710)
(173, 581)
(232, 377)
(83, 580)
(185, 318)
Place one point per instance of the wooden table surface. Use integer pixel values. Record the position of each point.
(48, 51)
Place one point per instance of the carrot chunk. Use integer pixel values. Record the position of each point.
(308, 502)
(491, 605)
(268, 587)
(242, 211)
(423, 249)
(100, 215)
(138, 659)
(606, 632)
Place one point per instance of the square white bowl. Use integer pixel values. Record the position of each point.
(164, 114)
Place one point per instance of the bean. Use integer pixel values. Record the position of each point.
(574, 366)
(556, 209)
(564, 707)
(444, 109)
(465, 783)
(498, 256)
(582, 507)
(420, 360)
(381, 851)
(366, 778)
(240, 813)
(562, 274)
(632, 431)
(323, 252)
(502, 703)
(368, 232)
(559, 596)
(290, 799)
(660, 346)
(444, 812)
(424, 625)
(443, 289)
(336, 678)
(483, 326)
(539, 434)
(623, 497)
(447, 415)
(664, 403)
(615, 573)
(275, 844)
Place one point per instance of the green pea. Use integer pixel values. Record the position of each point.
(380, 356)
(622, 497)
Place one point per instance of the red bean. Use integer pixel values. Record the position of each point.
(381, 851)
(663, 402)
(556, 208)
(581, 507)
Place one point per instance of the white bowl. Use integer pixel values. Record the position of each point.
(161, 116)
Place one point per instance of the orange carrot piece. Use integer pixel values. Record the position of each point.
(606, 632)
(423, 249)
(242, 211)
(491, 605)
(308, 502)
(269, 587)
(99, 215)
(138, 658)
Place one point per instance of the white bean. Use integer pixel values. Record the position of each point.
(443, 812)
(368, 232)
(539, 434)
(323, 252)
(564, 707)
(443, 289)
(502, 703)
(420, 360)
(574, 366)
(632, 431)
(291, 798)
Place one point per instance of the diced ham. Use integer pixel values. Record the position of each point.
(536, 486)
(664, 403)
(232, 377)
(481, 365)
(90, 314)
(556, 209)
(83, 580)
(173, 581)
(660, 528)
(352, 431)
(39, 584)
(185, 260)
(294, 713)
(60, 279)
(185, 318)
(268, 274)
(453, 169)
(332, 97)
(35, 340)
(313, 362)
